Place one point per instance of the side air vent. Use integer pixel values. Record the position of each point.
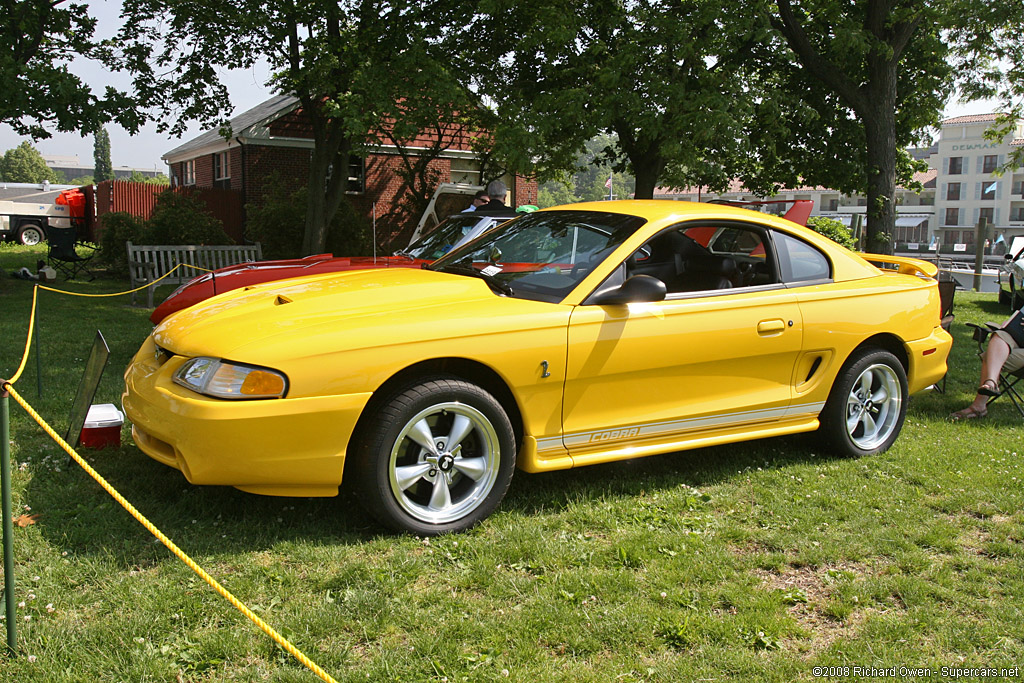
(281, 300)
(814, 368)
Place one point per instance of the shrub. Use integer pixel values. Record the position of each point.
(279, 224)
(180, 218)
(832, 229)
(116, 228)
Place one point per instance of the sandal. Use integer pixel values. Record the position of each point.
(969, 413)
(989, 388)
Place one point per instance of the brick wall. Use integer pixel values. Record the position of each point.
(204, 171)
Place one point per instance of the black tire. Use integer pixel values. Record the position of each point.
(422, 491)
(1015, 301)
(867, 406)
(1005, 297)
(31, 234)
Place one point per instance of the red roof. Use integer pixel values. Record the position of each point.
(971, 118)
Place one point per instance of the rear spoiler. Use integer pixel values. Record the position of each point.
(902, 264)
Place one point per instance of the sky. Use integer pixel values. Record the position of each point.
(246, 90)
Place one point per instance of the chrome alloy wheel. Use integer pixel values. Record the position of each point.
(444, 462)
(873, 406)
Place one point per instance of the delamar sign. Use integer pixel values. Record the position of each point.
(977, 145)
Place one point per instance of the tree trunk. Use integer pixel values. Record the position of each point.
(328, 180)
(879, 118)
(647, 168)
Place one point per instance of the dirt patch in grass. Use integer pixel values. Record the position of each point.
(808, 590)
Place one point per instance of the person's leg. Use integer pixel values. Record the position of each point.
(992, 362)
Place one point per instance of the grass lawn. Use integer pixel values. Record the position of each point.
(757, 561)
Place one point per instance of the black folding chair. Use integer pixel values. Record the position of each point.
(64, 256)
(1008, 379)
(947, 290)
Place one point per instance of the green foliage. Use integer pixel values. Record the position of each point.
(116, 228)
(101, 156)
(278, 223)
(180, 218)
(40, 39)
(832, 229)
(82, 181)
(676, 94)
(158, 179)
(24, 164)
(136, 177)
(554, 193)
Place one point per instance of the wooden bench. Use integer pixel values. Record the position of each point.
(147, 263)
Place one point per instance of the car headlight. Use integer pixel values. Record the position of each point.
(223, 379)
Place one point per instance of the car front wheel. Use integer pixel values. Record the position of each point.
(867, 406)
(437, 458)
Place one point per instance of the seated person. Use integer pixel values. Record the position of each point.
(1005, 349)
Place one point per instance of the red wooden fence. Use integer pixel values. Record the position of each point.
(139, 199)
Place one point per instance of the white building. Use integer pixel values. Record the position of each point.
(959, 188)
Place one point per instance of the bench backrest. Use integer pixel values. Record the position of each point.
(148, 262)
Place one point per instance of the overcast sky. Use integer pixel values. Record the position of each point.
(247, 90)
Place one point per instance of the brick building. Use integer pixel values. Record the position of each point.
(272, 143)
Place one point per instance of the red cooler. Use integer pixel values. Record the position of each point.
(102, 426)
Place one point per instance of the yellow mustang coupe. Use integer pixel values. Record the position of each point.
(576, 335)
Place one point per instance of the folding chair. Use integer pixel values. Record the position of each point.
(63, 256)
(1008, 379)
(947, 290)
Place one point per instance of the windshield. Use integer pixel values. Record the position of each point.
(543, 255)
(450, 233)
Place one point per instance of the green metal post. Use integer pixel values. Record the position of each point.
(8, 525)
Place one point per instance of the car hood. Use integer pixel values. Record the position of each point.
(325, 313)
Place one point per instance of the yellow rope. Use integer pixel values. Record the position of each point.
(178, 552)
(130, 291)
(6, 385)
(35, 294)
(28, 337)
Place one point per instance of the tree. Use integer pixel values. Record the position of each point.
(354, 66)
(877, 72)
(670, 79)
(82, 181)
(104, 169)
(38, 40)
(24, 164)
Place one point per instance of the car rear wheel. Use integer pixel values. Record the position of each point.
(867, 406)
(30, 234)
(437, 458)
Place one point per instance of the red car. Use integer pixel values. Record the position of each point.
(448, 234)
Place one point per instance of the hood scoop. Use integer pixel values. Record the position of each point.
(281, 300)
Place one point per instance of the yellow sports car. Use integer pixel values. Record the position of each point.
(581, 334)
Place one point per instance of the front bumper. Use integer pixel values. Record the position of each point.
(285, 447)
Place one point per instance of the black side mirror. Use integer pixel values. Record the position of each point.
(639, 288)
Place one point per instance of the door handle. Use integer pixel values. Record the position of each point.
(770, 327)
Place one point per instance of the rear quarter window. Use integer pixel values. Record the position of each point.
(800, 262)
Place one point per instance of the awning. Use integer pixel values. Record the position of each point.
(910, 221)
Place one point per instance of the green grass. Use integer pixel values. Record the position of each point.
(757, 561)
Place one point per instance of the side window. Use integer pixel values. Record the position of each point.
(799, 261)
(703, 257)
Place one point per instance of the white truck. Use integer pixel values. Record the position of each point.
(26, 222)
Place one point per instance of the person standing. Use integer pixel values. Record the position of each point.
(496, 190)
(479, 199)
